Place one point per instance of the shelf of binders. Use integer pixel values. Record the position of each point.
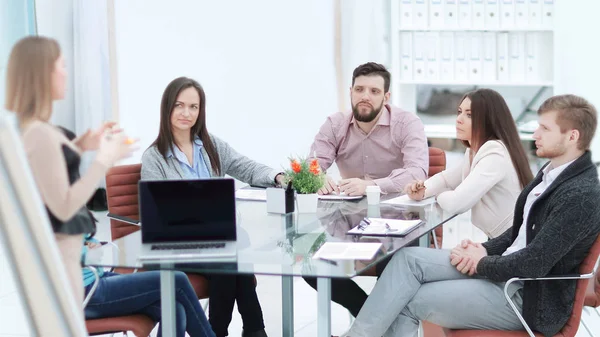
(474, 14)
(542, 30)
(478, 83)
(494, 58)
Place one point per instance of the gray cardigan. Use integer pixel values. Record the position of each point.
(562, 225)
(156, 167)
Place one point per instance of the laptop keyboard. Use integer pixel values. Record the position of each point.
(188, 246)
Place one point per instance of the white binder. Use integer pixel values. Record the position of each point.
(406, 56)
(538, 57)
(522, 13)
(489, 57)
(507, 14)
(492, 17)
(406, 14)
(548, 14)
(446, 56)
(478, 14)
(432, 65)
(436, 13)
(461, 62)
(475, 59)
(516, 50)
(465, 20)
(502, 70)
(451, 14)
(420, 14)
(535, 14)
(419, 49)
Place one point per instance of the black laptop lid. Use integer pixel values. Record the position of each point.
(187, 210)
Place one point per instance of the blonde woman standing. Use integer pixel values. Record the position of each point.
(36, 76)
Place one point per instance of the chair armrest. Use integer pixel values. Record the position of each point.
(546, 278)
(94, 285)
(123, 219)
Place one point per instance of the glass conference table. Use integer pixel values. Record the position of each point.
(284, 245)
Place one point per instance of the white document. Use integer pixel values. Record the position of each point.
(507, 14)
(502, 60)
(406, 14)
(404, 200)
(461, 63)
(406, 56)
(516, 62)
(450, 14)
(475, 59)
(251, 194)
(478, 14)
(535, 14)
(347, 250)
(522, 13)
(419, 49)
(446, 56)
(464, 14)
(386, 227)
(489, 57)
(436, 13)
(548, 14)
(420, 14)
(432, 64)
(492, 18)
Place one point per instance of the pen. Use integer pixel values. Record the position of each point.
(328, 261)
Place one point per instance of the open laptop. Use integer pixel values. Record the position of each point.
(188, 219)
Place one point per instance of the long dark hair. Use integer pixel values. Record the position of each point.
(491, 120)
(165, 140)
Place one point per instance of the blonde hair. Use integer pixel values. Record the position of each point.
(29, 77)
(573, 112)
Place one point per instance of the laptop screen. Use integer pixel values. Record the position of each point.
(187, 210)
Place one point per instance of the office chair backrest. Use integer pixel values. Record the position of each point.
(437, 161)
(592, 297)
(586, 267)
(122, 194)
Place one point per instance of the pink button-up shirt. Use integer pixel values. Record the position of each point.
(392, 155)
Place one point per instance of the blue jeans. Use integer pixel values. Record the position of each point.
(139, 293)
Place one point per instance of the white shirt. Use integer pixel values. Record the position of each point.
(548, 178)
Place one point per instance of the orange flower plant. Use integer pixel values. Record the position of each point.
(306, 175)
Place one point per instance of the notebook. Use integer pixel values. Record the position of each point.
(385, 227)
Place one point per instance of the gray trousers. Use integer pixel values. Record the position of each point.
(421, 284)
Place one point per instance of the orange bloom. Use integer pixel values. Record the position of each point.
(296, 166)
(314, 167)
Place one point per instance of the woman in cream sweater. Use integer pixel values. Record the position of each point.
(494, 169)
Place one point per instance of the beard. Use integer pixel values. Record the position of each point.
(551, 152)
(369, 117)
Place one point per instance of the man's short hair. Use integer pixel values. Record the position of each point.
(573, 112)
(373, 69)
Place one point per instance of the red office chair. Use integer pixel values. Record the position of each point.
(588, 270)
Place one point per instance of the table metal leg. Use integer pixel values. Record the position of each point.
(167, 302)
(323, 307)
(424, 241)
(287, 306)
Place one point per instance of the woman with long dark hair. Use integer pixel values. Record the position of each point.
(494, 169)
(184, 149)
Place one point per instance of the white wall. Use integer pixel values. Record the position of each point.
(267, 68)
(55, 20)
(576, 51)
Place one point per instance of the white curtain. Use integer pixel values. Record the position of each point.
(91, 68)
(364, 38)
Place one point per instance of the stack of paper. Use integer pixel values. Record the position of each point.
(347, 250)
(386, 227)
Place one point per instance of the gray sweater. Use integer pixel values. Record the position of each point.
(562, 225)
(156, 167)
